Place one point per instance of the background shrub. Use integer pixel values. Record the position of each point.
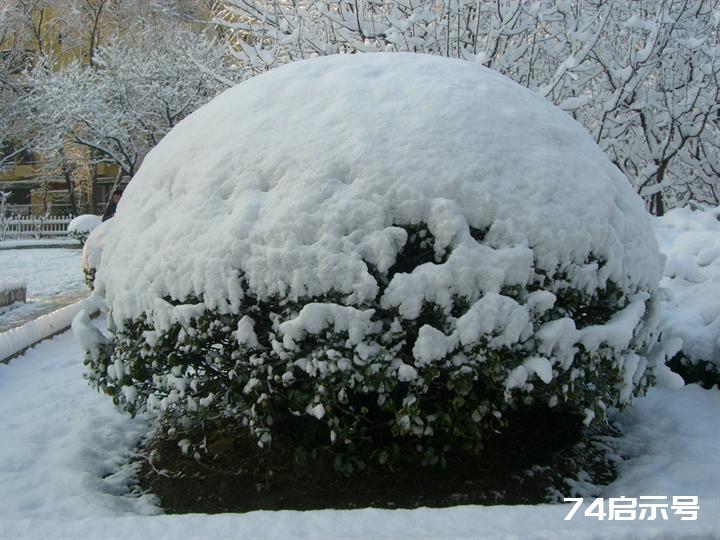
(81, 226)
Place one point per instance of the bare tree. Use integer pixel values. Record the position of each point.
(136, 90)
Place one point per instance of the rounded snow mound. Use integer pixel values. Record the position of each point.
(84, 223)
(377, 251)
(304, 180)
(81, 226)
(690, 239)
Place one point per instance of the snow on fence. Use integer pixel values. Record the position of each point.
(28, 227)
(11, 292)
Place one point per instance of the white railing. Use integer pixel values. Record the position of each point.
(27, 210)
(29, 227)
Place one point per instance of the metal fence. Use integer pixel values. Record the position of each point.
(34, 227)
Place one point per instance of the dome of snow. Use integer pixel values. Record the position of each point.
(82, 226)
(300, 181)
(84, 223)
(372, 248)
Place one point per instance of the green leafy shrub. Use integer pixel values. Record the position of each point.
(366, 393)
(82, 226)
(370, 274)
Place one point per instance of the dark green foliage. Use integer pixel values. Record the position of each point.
(325, 392)
(89, 274)
(81, 236)
(702, 372)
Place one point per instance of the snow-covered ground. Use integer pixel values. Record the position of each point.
(53, 278)
(62, 439)
(46, 271)
(64, 446)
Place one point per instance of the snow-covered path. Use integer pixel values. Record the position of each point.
(61, 440)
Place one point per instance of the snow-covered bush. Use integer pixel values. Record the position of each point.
(92, 250)
(690, 239)
(377, 252)
(81, 226)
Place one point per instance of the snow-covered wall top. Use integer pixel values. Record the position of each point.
(298, 177)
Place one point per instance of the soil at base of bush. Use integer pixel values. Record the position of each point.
(524, 465)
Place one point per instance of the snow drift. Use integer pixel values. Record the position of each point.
(690, 239)
(296, 178)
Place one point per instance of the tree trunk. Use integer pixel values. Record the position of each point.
(70, 189)
(658, 205)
